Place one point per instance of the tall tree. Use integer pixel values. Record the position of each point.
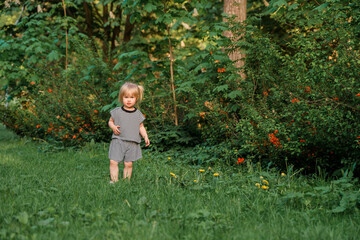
(236, 8)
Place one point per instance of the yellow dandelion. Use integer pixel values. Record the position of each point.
(195, 180)
(173, 174)
(283, 174)
(216, 174)
(261, 177)
(169, 158)
(265, 182)
(264, 187)
(209, 168)
(201, 170)
(257, 185)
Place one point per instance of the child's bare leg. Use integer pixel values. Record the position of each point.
(114, 171)
(128, 170)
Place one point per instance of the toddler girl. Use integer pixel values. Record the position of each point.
(127, 125)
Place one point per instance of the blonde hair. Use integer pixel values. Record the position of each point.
(132, 89)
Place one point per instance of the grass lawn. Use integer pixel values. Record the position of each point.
(67, 195)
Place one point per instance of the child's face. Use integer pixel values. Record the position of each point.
(129, 100)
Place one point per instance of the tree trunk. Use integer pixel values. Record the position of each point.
(107, 30)
(89, 19)
(237, 8)
(128, 29)
(116, 31)
(66, 36)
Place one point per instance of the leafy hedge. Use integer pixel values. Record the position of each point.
(299, 104)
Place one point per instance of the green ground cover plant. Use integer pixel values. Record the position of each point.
(67, 195)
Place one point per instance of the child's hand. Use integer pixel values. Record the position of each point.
(116, 130)
(147, 141)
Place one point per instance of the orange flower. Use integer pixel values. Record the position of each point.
(240, 160)
(276, 131)
(217, 61)
(307, 89)
(38, 126)
(302, 140)
(295, 100)
(32, 82)
(274, 140)
(336, 98)
(358, 95)
(50, 90)
(265, 93)
(211, 52)
(74, 136)
(96, 111)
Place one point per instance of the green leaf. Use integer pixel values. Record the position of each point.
(321, 7)
(221, 88)
(114, 94)
(23, 218)
(143, 200)
(234, 94)
(46, 222)
(53, 56)
(339, 209)
(293, 6)
(106, 108)
(149, 7)
(132, 18)
(280, 3)
(39, 50)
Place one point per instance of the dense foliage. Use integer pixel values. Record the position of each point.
(299, 103)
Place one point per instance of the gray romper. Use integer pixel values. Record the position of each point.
(126, 146)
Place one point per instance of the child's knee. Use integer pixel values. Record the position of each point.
(113, 163)
(128, 164)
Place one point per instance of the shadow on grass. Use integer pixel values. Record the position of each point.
(7, 135)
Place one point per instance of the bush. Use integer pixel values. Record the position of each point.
(300, 102)
(63, 105)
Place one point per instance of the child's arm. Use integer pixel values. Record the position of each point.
(113, 126)
(144, 134)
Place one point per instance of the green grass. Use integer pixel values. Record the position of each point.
(67, 195)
